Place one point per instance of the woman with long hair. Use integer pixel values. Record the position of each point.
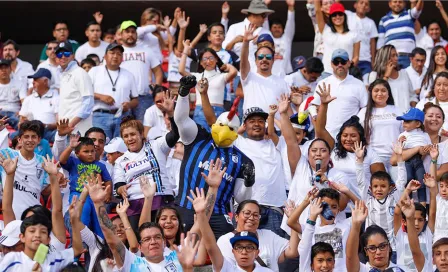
(379, 120)
(386, 67)
(336, 34)
(437, 63)
(218, 75)
(438, 94)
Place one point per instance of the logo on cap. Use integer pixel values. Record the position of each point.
(61, 44)
(243, 233)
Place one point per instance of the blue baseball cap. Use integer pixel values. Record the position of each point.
(42, 72)
(298, 63)
(340, 53)
(413, 114)
(265, 38)
(245, 236)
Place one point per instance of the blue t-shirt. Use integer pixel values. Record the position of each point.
(43, 149)
(79, 172)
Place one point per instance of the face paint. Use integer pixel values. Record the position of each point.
(222, 135)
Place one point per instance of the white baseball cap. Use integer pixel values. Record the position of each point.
(10, 235)
(116, 145)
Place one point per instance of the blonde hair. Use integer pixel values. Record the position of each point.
(152, 12)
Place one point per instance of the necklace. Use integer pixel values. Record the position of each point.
(111, 81)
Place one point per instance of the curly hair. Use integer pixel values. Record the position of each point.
(339, 149)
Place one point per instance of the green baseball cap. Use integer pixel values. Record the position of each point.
(127, 24)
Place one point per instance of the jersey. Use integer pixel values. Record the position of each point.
(197, 156)
(134, 263)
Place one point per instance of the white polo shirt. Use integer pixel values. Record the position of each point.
(43, 108)
(139, 60)
(86, 49)
(23, 70)
(11, 94)
(125, 88)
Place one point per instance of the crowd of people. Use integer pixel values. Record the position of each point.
(120, 155)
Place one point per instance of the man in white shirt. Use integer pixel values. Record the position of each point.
(114, 91)
(429, 37)
(350, 92)
(60, 34)
(94, 45)
(417, 70)
(19, 69)
(42, 104)
(76, 90)
(140, 61)
(52, 64)
(304, 80)
(11, 93)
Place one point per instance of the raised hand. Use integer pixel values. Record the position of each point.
(312, 194)
(148, 187)
(98, 17)
(74, 140)
(177, 13)
(316, 208)
(249, 33)
(273, 110)
(429, 181)
(3, 122)
(296, 97)
(389, 68)
(398, 147)
(187, 46)
(439, 5)
(289, 208)
(202, 86)
(283, 103)
(359, 151)
(225, 8)
(215, 174)
(8, 164)
(413, 185)
(407, 206)
(339, 187)
(122, 207)
(325, 93)
(72, 210)
(166, 22)
(63, 127)
(50, 166)
(190, 247)
(359, 213)
(434, 151)
(96, 191)
(203, 28)
(183, 21)
(168, 103)
(199, 200)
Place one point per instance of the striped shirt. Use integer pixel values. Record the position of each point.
(398, 30)
(197, 156)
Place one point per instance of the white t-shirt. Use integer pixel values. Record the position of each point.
(402, 91)
(415, 78)
(351, 96)
(228, 266)
(333, 41)
(86, 49)
(11, 94)
(441, 226)
(271, 248)
(216, 86)
(297, 79)
(19, 262)
(146, 38)
(125, 88)
(139, 60)
(415, 137)
(29, 180)
(55, 245)
(366, 29)
(282, 63)
(149, 161)
(269, 175)
(173, 68)
(404, 255)
(260, 91)
(367, 267)
(134, 263)
(154, 119)
(42, 108)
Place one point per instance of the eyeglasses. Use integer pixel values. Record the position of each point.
(51, 48)
(157, 238)
(336, 62)
(248, 214)
(381, 247)
(262, 56)
(211, 58)
(65, 54)
(249, 249)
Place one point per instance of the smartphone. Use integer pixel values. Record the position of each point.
(41, 254)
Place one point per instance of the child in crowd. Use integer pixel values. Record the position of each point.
(87, 64)
(415, 137)
(95, 58)
(441, 225)
(80, 168)
(114, 149)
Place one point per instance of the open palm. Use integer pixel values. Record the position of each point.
(148, 187)
(8, 164)
(198, 200)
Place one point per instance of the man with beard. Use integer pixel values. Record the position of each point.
(114, 90)
(350, 92)
(20, 69)
(60, 34)
(139, 60)
(52, 64)
(94, 45)
(11, 93)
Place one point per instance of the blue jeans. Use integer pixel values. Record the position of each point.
(108, 122)
(271, 220)
(404, 61)
(13, 119)
(365, 67)
(199, 116)
(144, 102)
(415, 170)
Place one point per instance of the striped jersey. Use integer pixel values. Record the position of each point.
(398, 30)
(197, 156)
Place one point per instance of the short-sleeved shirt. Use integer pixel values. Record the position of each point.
(11, 94)
(19, 261)
(228, 266)
(134, 263)
(86, 49)
(80, 171)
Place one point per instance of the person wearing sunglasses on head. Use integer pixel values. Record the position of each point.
(76, 90)
(51, 63)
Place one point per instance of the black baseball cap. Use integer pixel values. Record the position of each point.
(254, 111)
(5, 62)
(64, 46)
(112, 46)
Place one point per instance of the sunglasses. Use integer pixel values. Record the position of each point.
(336, 62)
(65, 54)
(339, 14)
(262, 56)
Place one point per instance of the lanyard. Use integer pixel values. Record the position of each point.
(111, 81)
(312, 178)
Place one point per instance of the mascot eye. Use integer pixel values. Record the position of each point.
(231, 129)
(221, 124)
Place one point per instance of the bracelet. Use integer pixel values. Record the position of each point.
(128, 228)
(311, 222)
(434, 161)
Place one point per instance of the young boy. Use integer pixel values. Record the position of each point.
(35, 230)
(114, 149)
(441, 226)
(440, 254)
(79, 168)
(87, 64)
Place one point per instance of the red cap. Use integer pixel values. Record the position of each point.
(337, 7)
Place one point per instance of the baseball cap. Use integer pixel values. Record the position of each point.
(265, 38)
(413, 114)
(5, 62)
(254, 111)
(340, 53)
(64, 46)
(116, 145)
(305, 125)
(298, 63)
(42, 72)
(337, 7)
(127, 24)
(244, 236)
(112, 46)
(10, 234)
